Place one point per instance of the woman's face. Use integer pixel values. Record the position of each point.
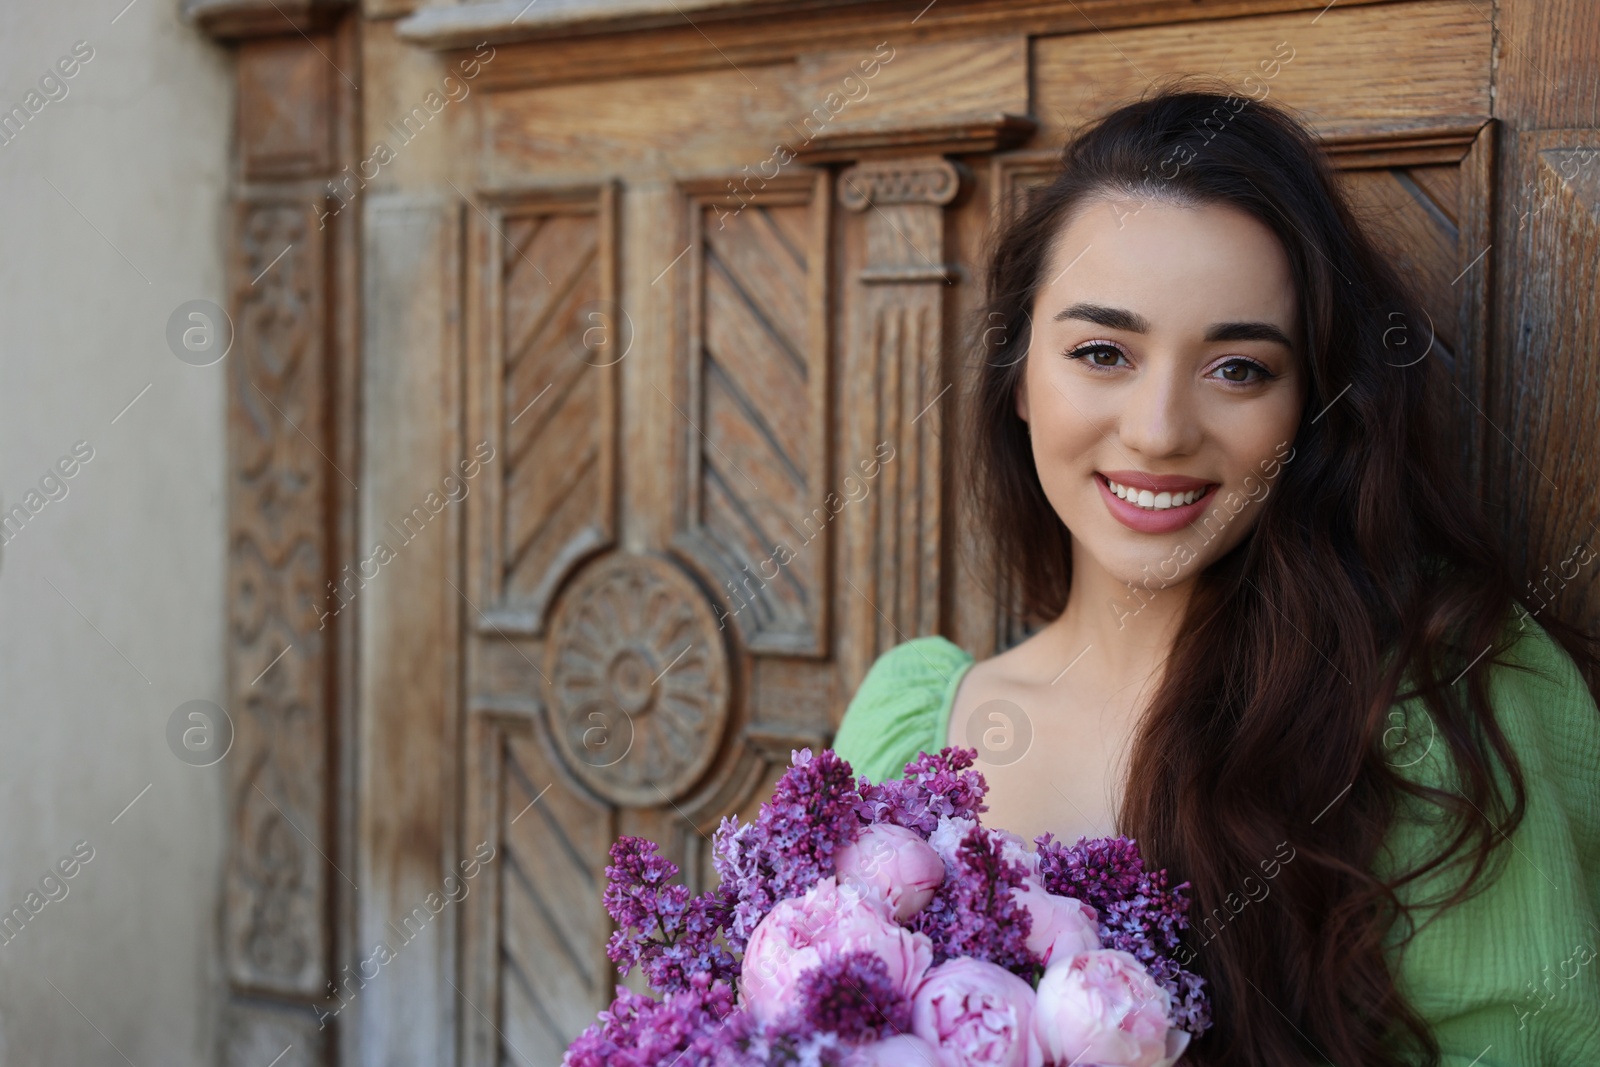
(1163, 386)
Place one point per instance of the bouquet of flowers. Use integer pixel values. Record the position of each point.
(858, 925)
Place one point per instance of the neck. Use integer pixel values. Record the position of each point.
(1127, 632)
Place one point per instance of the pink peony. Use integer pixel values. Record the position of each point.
(975, 1013)
(1102, 1007)
(946, 840)
(897, 861)
(1061, 927)
(902, 1050)
(946, 837)
(829, 920)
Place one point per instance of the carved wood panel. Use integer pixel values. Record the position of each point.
(604, 696)
(289, 379)
(554, 971)
(896, 363)
(1427, 201)
(278, 938)
(634, 733)
(554, 336)
(534, 959)
(1545, 391)
(286, 126)
(640, 682)
(755, 516)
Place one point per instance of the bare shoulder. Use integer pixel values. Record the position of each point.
(1013, 675)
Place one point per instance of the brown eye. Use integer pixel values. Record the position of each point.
(1239, 371)
(1098, 355)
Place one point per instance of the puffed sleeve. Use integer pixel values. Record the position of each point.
(902, 706)
(1510, 977)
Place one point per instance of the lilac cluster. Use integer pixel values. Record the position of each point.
(751, 1046)
(790, 846)
(699, 1026)
(661, 929)
(936, 785)
(689, 1028)
(1139, 913)
(822, 823)
(853, 996)
(976, 912)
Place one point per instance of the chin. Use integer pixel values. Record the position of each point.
(1150, 562)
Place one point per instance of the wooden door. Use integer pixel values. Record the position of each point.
(721, 408)
(681, 305)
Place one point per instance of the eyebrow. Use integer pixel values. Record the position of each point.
(1121, 319)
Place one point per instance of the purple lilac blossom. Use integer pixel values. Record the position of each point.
(815, 810)
(1139, 914)
(661, 929)
(936, 785)
(791, 845)
(686, 1028)
(976, 911)
(854, 996)
(698, 1026)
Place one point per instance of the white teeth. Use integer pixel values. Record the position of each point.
(1155, 501)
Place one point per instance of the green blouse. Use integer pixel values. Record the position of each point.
(1508, 978)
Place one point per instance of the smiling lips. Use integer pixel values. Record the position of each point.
(1153, 503)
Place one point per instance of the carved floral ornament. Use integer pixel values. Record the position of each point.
(639, 676)
(886, 182)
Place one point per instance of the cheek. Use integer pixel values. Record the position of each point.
(1063, 413)
(1266, 434)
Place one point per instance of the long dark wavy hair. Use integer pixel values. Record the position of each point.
(1369, 577)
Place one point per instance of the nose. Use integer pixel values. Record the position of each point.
(1161, 416)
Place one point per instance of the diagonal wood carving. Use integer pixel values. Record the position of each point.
(1547, 389)
(553, 971)
(555, 336)
(756, 512)
(1425, 195)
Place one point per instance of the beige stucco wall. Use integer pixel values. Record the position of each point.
(111, 597)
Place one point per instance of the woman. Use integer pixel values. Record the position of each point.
(1279, 646)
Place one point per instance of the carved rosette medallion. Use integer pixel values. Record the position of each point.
(640, 687)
